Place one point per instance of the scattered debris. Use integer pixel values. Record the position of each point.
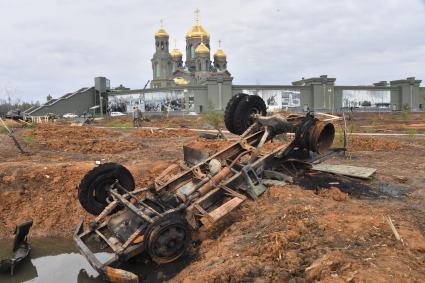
(20, 250)
(347, 170)
(393, 229)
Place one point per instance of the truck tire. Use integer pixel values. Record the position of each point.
(230, 109)
(93, 188)
(252, 104)
(168, 238)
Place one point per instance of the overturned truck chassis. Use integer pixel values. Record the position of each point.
(159, 219)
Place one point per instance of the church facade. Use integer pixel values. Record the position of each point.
(169, 70)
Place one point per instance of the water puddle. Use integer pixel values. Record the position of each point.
(54, 260)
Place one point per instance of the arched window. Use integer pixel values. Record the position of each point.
(192, 51)
(162, 45)
(157, 70)
(170, 69)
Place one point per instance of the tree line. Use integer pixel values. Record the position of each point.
(10, 102)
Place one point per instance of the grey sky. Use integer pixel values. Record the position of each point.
(57, 46)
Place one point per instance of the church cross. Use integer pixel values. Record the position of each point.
(197, 15)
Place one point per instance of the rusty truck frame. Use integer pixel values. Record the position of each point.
(195, 193)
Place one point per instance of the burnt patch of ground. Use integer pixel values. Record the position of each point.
(358, 188)
(318, 181)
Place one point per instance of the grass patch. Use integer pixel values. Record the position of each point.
(2, 130)
(352, 127)
(29, 138)
(412, 133)
(369, 129)
(405, 115)
(120, 123)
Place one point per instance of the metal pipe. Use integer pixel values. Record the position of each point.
(216, 179)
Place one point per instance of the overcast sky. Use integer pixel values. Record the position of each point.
(57, 46)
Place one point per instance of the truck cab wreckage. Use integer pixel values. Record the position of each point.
(198, 192)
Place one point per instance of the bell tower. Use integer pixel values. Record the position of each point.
(161, 60)
(177, 58)
(220, 58)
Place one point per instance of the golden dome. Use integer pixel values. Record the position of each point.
(175, 53)
(202, 49)
(220, 53)
(161, 33)
(197, 31)
(181, 81)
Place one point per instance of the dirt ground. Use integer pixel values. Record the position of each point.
(315, 230)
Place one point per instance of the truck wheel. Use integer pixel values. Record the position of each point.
(168, 238)
(230, 110)
(252, 104)
(93, 189)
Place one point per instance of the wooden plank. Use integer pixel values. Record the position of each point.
(221, 211)
(347, 170)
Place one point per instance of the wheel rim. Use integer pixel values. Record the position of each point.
(101, 190)
(253, 111)
(169, 242)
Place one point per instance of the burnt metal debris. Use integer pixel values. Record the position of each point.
(20, 250)
(198, 192)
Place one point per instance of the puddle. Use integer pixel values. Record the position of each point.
(54, 260)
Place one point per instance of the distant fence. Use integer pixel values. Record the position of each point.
(40, 119)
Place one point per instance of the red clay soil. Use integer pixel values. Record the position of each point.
(211, 146)
(44, 192)
(367, 143)
(84, 139)
(294, 235)
(163, 133)
(188, 121)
